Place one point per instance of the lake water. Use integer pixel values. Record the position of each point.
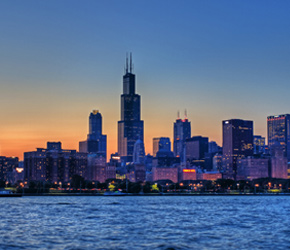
(156, 222)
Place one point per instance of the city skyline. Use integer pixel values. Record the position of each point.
(219, 61)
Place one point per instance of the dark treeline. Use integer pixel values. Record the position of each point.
(79, 184)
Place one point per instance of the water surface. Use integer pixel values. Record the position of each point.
(157, 222)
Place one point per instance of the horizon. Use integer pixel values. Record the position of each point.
(61, 60)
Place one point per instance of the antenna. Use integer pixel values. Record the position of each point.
(178, 115)
(185, 113)
(126, 63)
(131, 62)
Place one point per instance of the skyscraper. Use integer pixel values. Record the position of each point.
(139, 152)
(279, 132)
(96, 142)
(237, 143)
(130, 127)
(181, 132)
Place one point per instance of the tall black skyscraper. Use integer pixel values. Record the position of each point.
(237, 144)
(96, 141)
(181, 132)
(130, 127)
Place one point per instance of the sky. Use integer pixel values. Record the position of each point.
(60, 59)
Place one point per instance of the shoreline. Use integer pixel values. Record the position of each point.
(159, 194)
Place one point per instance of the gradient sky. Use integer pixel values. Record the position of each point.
(60, 59)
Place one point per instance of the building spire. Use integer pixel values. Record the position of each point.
(130, 62)
(178, 115)
(126, 63)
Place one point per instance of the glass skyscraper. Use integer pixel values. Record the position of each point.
(279, 135)
(237, 144)
(279, 132)
(130, 127)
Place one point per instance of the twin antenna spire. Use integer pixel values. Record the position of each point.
(185, 114)
(127, 69)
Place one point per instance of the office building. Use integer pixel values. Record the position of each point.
(278, 127)
(237, 144)
(181, 132)
(161, 143)
(130, 127)
(279, 166)
(251, 168)
(196, 147)
(96, 142)
(139, 152)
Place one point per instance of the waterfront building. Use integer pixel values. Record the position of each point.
(181, 132)
(130, 127)
(165, 173)
(161, 143)
(8, 166)
(237, 144)
(54, 164)
(251, 168)
(187, 174)
(137, 173)
(209, 176)
(279, 166)
(96, 142)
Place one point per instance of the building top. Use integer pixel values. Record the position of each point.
(277, 117)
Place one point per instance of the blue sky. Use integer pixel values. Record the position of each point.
(61, 59)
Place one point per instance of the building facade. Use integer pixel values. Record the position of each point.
(161, 143)
(259, 144)
(130, 127)
(54, 164)
(278, 127)
(237, 144)
(8, 166)
(252, 168)
(196, 147)
(139, 152)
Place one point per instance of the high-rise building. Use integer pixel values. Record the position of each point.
(161, 143)
(96, 142)
(196, 147)
(279, 166)
(139, 152)
(181, 132)
(279, 132)
(237, 143)
(130, 127)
